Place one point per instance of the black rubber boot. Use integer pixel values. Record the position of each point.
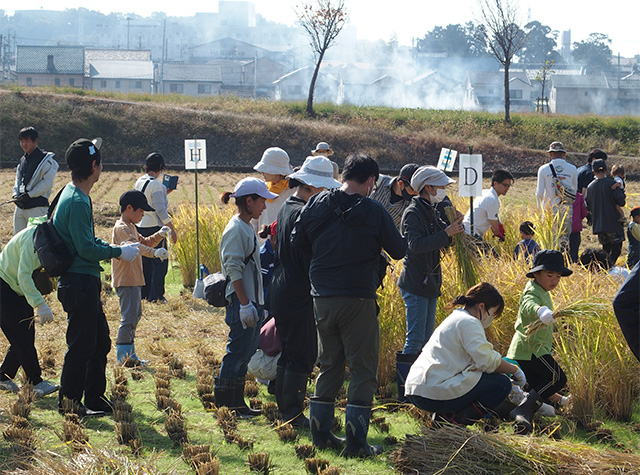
(403, 365)
(357, 428)
(239, 405)
(294, 390)
(321, 421)
(464, 417)
(279, 385)
(223, 392)
(523, 414)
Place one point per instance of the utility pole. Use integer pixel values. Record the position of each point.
(128, 26)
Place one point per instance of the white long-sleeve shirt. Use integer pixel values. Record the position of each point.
(546, 188)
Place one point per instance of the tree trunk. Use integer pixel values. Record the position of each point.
(312, 86)
(507, 102)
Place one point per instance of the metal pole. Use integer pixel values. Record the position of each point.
(471, 201)
(197, 159)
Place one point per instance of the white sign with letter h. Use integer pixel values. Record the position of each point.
(195, 154)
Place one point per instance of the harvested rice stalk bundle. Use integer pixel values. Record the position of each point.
(465, 254)
(260, 463)
(316, 465)
(579, 308)
(287, 433)
(305, 451)
(175, 428)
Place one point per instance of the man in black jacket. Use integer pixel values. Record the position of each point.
(346, 232)
(601, 201)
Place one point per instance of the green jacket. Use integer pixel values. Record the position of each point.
(73, 219)
(17, 263)
(539, 343)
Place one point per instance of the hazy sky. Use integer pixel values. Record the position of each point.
(406, 18)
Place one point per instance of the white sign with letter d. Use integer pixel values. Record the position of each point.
(470, 175)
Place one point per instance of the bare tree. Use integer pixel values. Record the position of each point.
(504, 37)
(323, 21)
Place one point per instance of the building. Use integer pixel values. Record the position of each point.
(189, 79)
(119, 70)
(50, 66)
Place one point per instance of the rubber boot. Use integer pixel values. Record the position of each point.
(137, 358)
(124, 353)
(357, 428)
(223, 393)
(294, 390)
(279, 384)
(239, 405)
(523, 414)
(321, 421)
(403, 365)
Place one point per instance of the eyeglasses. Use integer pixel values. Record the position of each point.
(507, 186)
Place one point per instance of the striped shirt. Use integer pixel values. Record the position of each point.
(382, 195)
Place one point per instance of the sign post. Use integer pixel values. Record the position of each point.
(447, 159)
(470, 178)
(195, 158)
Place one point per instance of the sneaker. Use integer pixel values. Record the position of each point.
(103, 405)
(9, 385)
(80, 410)
(44, 388)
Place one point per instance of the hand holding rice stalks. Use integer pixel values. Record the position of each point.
(579, 308)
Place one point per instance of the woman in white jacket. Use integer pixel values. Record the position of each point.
(459, 376)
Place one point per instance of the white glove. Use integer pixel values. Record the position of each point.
(44, 313)
(161, 253)
(248, 315)
(165, 231)
(519, 378)
(565, 400)
(545, 315)
(129, 251)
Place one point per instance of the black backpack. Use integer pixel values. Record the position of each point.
(53, 253)
(215, 285)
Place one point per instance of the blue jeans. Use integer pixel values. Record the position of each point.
(242, 343)
(490, 391)
(421, 321)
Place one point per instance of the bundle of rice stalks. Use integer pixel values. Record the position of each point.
(260, 463)
(126, 432)
(20, 435)
(119, 377)
(454, 450)
(251, 389)
(287, 433)
(176, 366)
(270, 410)
(208, 402)
(136, 374)
(466, 256)
(175, 428)
(73, 433)
(208, 358)
(593, 308)
(48, 357)
(330, 470)
(316, 465)
(119, 392)
(209, 468)
(305, 451)
(243, 443)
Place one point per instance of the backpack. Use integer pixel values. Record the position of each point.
(53, 253)
(215, 285)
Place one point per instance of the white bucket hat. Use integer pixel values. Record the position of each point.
(318, 172)
(428, 175)
(274, 161)
(252, 186)
(322, 149)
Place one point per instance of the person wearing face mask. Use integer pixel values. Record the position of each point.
(421, 276)
(458, 375)
(395, 193)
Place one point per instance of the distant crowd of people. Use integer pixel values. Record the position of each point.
(304, 256)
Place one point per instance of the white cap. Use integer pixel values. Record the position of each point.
(274, 161)
(318, 172)
(322, 149)
(252, 186)
(428, 175)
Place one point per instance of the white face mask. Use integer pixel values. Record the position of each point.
(440, 195)
(487, 321)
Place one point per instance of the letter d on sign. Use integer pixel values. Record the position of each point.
(470, 175)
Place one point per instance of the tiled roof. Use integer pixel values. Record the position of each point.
(34, 59)
(191, 72)
(106, 69)
(92, 54)
(598, 81)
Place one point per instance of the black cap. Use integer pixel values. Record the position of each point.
(136, 199)
(407, 171)
(155, 161)
(82, 152)
(598, 165)
(551, 260)
(635, 211)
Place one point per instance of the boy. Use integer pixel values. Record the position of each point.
(527, 246)
(19, 296)
(633, 233)
(128, 278)
(533, 353)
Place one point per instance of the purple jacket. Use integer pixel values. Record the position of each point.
(579, 213)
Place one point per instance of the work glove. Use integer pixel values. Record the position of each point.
(565, 400)
(519, 378)
(161, 253)
(130, 251)
(44, 313)
(501, 233)
(21, 199)
(165, 231)
(545, 315)
(248, 315)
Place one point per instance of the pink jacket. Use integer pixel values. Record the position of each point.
(579, 213)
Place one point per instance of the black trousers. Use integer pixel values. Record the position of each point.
(16, 321)
(88, 342)
(626, 306)
(154, 270)
(299, 339)
(612, 244)
(544, 375)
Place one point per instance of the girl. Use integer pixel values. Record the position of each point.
(274, 167)
(240, 259)
(458, 375)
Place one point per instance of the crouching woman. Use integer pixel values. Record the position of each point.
(240, 259)
(458, 375)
